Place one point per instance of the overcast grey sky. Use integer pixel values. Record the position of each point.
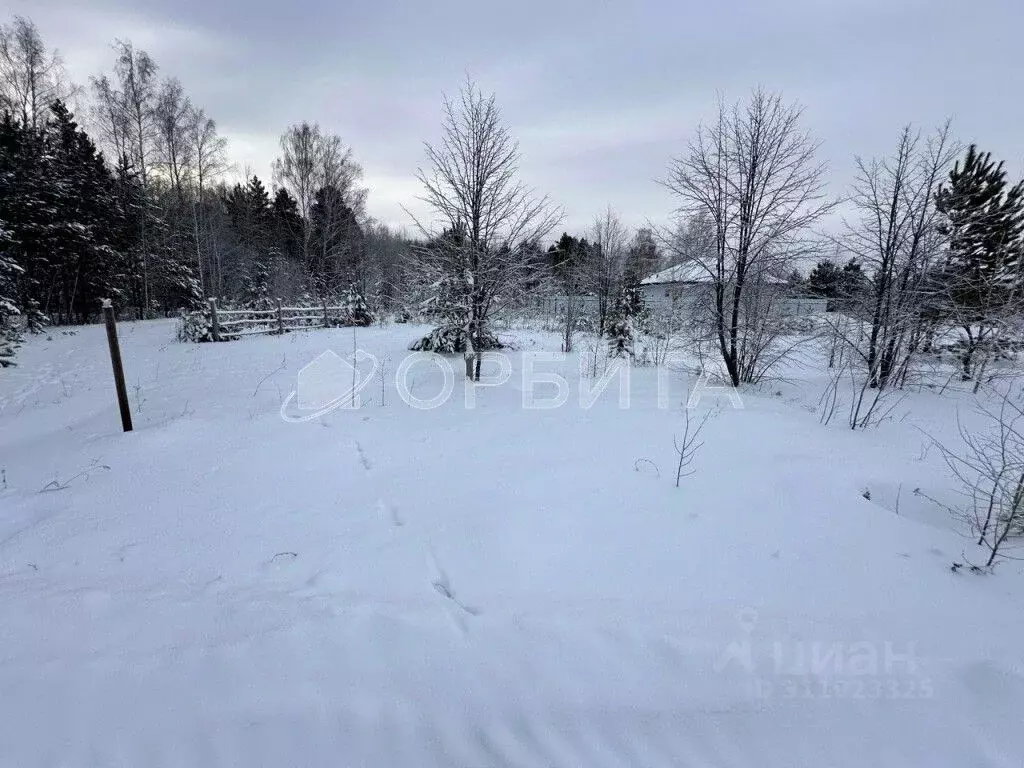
(600, 95)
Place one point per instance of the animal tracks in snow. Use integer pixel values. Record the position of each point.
(363, 460)
(390, 512)
(457, 610)
(442, 584)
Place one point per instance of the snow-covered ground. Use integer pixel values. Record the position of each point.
(392, 586)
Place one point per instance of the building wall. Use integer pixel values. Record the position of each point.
(682, 296)
(677, 297)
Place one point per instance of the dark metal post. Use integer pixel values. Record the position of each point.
(115, 360)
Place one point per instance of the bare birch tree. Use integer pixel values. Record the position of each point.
(896, 238)
(172, 116)
(473, 189)
(31, 78)
(136, 73)
(753, 173)
(321, 173)
(298, 170)
(610, 241)
(128, 123)
(109, 117)
(570, 271)
(209, 152)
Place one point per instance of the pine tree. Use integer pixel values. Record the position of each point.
(984, 224)
(561, 255)
(852, 282)
(825, 279)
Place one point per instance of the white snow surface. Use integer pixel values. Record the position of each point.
(397, 587)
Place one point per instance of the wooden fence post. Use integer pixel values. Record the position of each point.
(216, 322)
(280, 318)
(115, 361)
(327, 322)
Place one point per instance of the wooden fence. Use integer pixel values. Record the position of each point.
(234, 323)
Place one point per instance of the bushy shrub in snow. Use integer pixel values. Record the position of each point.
(9, 314)
(452, 340)
(195, 326)
(989, 467)
(448, 308)
(9, 340)
(593, 359)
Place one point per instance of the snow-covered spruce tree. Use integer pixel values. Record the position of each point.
(472, 188)
(8, 345)
(446, 304)
(355, 310)
(83, 228)
(620, 325)
(248, 209)
(256, 289)
(9, 270)
(195, 326)
(634, 298)
(23, 179)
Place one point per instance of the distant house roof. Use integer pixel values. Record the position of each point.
(691, 272)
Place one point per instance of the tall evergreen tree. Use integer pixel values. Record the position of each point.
(825, 279)
(85, 264)
(984, 223)
(287, 225)
(25, 210)
(9, 271)
(852, 281)
(338, 246)
(250, 213)
(623, 321)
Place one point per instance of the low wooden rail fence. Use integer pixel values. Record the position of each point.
(232, 323)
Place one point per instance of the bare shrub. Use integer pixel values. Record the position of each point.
(989, 467)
